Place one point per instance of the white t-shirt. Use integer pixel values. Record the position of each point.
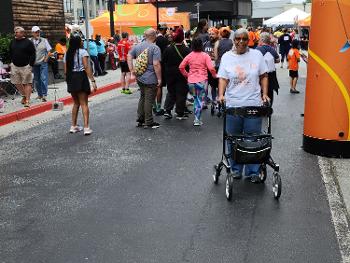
(78, 60)
(243, 73)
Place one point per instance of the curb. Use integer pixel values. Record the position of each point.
(37, 109)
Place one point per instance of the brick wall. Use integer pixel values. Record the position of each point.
(47, 14)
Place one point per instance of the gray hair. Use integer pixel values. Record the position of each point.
(241, 31)
(150, 33)
(18, 28)
(265, 38)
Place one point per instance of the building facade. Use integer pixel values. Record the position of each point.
(227, 12)
(48, 15)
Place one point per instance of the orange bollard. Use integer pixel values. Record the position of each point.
(327, 102)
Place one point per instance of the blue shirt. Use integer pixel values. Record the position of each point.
(92, 48)
(101, 48)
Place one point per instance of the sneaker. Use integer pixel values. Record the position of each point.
(182, 117)
(140, 124)
(236, 175)
(168, 115)
(255, 179)
(154, 125)
(26, 104)
(159, 112)
(75, 129)
(122, 91)
(187, 111)
(197, 123)
(87, 131)
(294, 91)
(44, 99)
(127, 91)
(39, 98)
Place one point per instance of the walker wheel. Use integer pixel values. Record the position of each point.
(277, 186)
(229, 187)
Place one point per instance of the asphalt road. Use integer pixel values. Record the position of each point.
(127, 194)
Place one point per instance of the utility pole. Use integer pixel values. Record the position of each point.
(157, 7)
(87, 18)
(197, 5)
(111, 16)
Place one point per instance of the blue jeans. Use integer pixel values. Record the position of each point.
(41, 78)
(237, 125)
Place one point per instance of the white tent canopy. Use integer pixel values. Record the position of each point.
(289, 17)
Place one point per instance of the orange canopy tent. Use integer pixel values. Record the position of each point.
(306, 22)
(135, 18)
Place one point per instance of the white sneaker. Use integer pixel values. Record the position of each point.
(75, 129)
(87, 131)
(197, 123)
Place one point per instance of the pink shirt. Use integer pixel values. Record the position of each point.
(199, 63)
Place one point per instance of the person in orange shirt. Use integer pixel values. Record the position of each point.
(293, 65)
(257, 37)
(252, 38)
(61, 48)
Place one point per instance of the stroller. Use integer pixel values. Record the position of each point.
(248, 149)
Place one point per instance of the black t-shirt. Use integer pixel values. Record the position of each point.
(162, 43)
(22, 52)
(172, 60)
(285, 41)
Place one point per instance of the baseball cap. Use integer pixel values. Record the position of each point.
(35, 29)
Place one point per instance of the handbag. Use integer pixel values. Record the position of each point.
(251, 149)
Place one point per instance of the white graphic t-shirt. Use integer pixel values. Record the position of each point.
(243, 73)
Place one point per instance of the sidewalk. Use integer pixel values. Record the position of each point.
(14, 110)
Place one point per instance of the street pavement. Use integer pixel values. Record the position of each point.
(126, 194)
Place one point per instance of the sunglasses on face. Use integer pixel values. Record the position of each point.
(239, 39)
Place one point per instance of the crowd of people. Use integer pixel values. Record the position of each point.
(184, 62)
(212, 64)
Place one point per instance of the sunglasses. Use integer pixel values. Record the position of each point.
(239, 39)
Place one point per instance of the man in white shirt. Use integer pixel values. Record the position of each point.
(40, 68)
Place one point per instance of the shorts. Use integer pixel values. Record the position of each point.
(124, 66)
(21, 75)
(78, 82)
(293, 74)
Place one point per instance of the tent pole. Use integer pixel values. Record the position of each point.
(111, 16)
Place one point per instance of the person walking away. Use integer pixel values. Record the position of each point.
(112, 53)
(116, 37)
(162, 42)
(285, 43)
(199, 63)
(202, 31)
(78, 72)
(271, 57)
(40, 68)
(93, 53)
(293, 65)
(243, 82)
(209, 47)
(22, 56)
(175, 81)
(252, 37)
(101, 53)
(123, 50)
(148, 80)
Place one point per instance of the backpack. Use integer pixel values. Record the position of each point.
(141, 63)
(270, 62)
